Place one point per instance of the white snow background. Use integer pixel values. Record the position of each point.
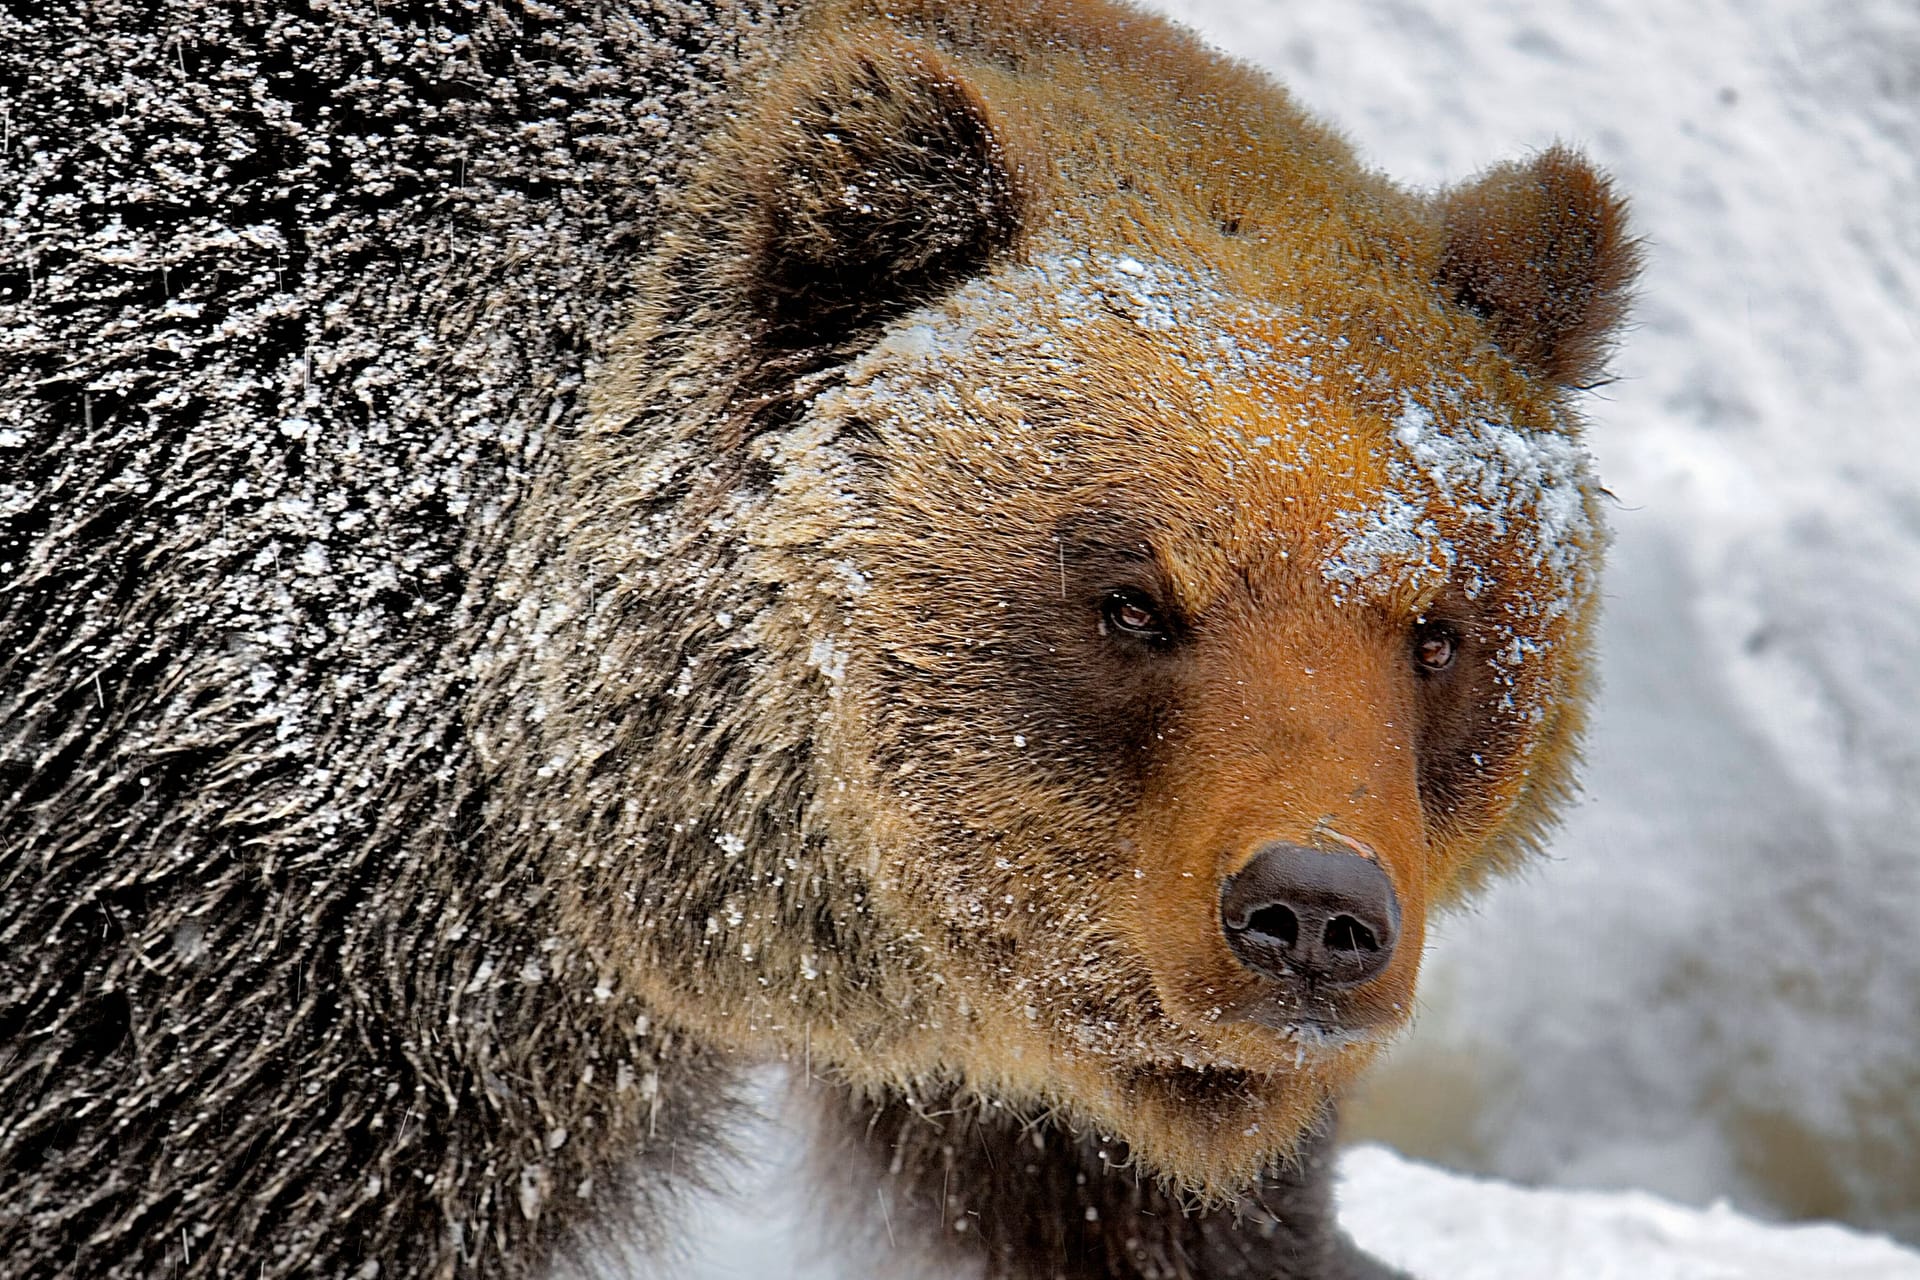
(1712, 991)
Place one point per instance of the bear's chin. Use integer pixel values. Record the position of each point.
(1207, 1116)
(1212, 1132)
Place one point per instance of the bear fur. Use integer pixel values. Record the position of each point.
(548, 555)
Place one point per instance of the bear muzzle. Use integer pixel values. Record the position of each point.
(1316, 933)
(1310, 920)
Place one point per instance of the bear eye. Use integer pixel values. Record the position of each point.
(1132, 614)
(1435, 645)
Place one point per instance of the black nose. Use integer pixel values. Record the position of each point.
(1328, 918)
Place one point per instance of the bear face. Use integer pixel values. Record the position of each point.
(1113, 635)
(1049, 474)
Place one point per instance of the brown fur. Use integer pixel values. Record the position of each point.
(1040, 924)
(891, 188)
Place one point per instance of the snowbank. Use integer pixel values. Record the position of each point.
(1438, 1225)
(1442, 1226)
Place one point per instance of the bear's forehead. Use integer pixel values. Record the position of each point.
(1248, 425)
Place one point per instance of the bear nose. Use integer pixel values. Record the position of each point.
(1328, 918)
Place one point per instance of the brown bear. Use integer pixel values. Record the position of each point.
(551, 555)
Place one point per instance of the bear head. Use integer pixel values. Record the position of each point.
(1067, 573)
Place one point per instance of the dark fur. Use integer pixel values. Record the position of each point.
(893, 190)
(1032, 1202)
(267, 1003)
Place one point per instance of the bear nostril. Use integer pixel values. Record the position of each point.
(1297, 915)
(1276, 922)
(1344, 933)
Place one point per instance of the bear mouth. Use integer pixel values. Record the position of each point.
(1316, 1035)
(1273, 1041)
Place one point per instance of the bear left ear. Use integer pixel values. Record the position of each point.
(880, 183)
(1541, 250)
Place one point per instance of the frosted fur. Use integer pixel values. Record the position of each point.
(1537, 484)
(294, 302)
(1529, 490)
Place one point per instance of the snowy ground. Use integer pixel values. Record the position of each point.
(1438, 1225)
(1441, 1226)
(1713, 992)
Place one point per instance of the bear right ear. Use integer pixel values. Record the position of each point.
(879, 183)
(1541, 251)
